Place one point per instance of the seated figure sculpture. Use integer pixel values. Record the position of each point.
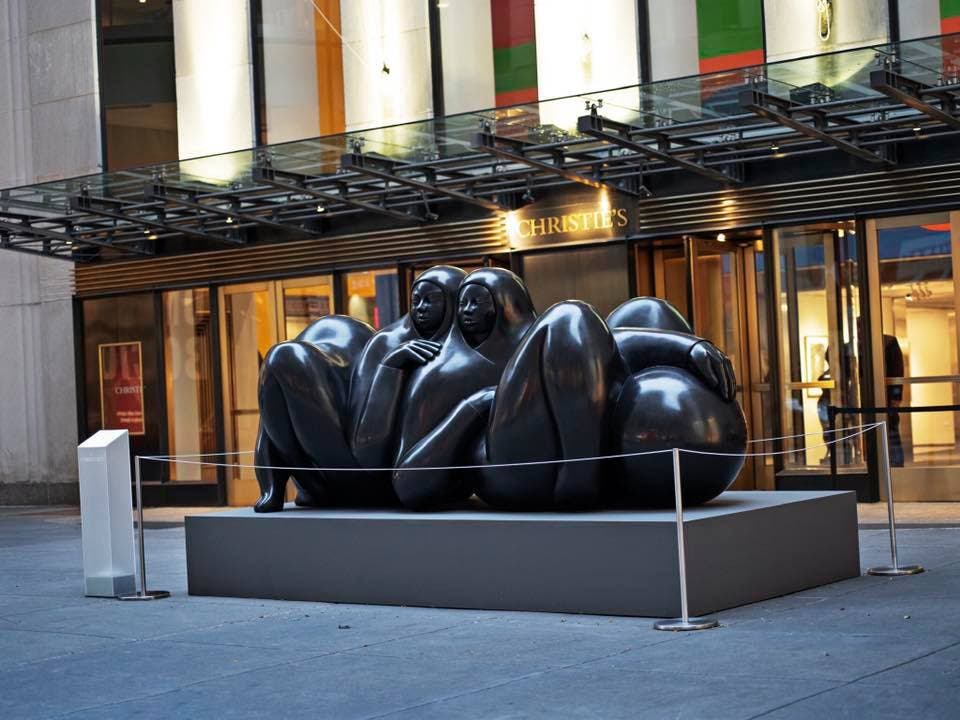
(499, 386)
(575, 388)
(321, 398)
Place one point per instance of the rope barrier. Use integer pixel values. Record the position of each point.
(530, 463)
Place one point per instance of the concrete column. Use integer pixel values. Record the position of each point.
(49, 129)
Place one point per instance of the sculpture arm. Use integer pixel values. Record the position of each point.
(374, 433)
(642, 349)
(374, 430)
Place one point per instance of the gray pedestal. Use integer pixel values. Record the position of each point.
(741, 548)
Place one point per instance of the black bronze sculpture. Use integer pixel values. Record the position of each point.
(495, 385)
(318, 407)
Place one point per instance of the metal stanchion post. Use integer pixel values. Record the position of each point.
(894, 568)
(142, 593)
(685, 622)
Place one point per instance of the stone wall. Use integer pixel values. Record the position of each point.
(49, 129)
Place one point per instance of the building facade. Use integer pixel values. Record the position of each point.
(741, 158)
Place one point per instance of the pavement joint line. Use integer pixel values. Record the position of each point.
(67, 632)
(273, 666)
(503, 683)
(855, 680)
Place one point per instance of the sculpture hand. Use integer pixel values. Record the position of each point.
(714, 368)
(412, 354)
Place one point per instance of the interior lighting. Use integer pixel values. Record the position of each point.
(841, 232)
(146, 232)
(721, 237)
(229, 221)
(774, 147)
(151, 237)
(917, 128)
(321, 208)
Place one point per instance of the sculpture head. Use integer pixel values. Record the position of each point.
(476, 313)
(433, 300)
(427, 307)
(494, 311)
(648, 313)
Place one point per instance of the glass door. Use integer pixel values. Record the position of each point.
(721, 307)
(721, 282)
(819, 346)
(256, 316)
(915, 349)
(248, 331)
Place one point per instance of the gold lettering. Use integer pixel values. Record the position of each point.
(520, 228)
(565, 223)
(553, 224)
(574, 222)
(622, 219)
(607, 220)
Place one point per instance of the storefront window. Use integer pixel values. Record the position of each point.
(138, 88)
(188, 365)
(305, 301)
(373, 296)
(595, 275)
(918, 347)
(820, 345)
(123, 388)
(332, 65)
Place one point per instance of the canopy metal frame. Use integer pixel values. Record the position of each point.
(289, 192)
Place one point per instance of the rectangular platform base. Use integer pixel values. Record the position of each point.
(741, 548)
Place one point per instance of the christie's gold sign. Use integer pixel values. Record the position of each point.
(572, 222)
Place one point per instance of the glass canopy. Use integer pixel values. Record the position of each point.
(856, 101)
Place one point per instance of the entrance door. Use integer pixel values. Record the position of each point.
(256, 316)
(816, 306)
(719, 279)
(248, 331)
(914, 269)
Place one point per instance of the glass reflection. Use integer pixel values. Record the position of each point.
(189, 381)
(919, 337)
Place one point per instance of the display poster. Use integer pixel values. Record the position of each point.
(798, 28)
(121, 387)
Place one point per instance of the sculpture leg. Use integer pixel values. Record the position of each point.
(551, 404)
(457, 440)
(661, 408)
(273, 483)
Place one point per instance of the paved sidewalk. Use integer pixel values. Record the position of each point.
(864, 648)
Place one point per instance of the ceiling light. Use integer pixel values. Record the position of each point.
(917, 128)
(774, 147)
(321, 208)
(151, 237)
(721, 237)
(840, 232)
(229, 221)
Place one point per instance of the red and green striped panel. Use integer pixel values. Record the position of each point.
(949, 16)
(730, 34)
(514, 51)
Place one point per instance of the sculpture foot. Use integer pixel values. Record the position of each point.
(270, 501)
(306, 499)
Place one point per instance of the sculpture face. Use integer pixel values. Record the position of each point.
(427, 307)
(476, 313)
